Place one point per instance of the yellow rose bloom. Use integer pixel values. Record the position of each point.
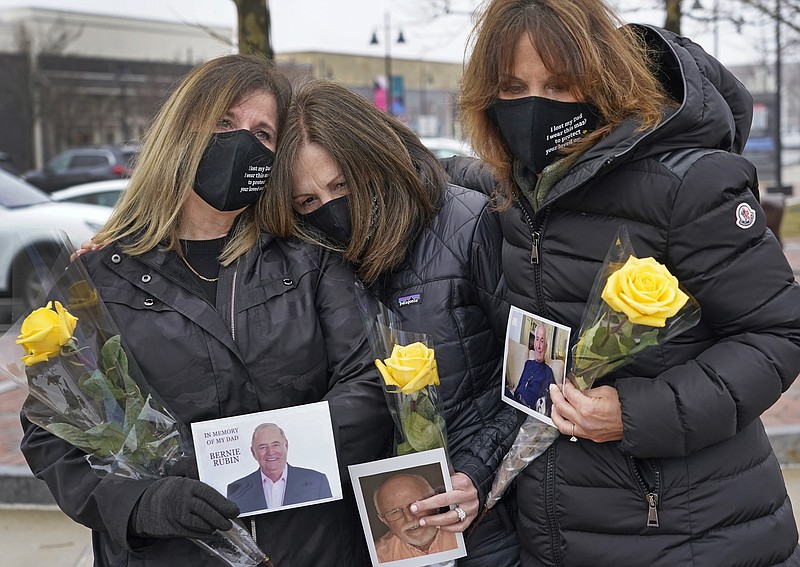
(45, 331)
(645, 291)
(82, 296)
(410, 368)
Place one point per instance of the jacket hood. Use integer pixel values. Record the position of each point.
(715, 108)
(714, 111)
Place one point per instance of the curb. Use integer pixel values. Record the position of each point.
(20, 487)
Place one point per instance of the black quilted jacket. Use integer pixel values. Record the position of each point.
(690, 407)
(450, 287)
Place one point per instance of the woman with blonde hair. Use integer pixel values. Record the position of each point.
(359, 182)
(223, 320)
(587, 125)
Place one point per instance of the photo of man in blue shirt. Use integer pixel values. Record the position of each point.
(533, 387)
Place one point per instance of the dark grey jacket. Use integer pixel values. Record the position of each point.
(691, 406)
(286, 331)
(451, 288)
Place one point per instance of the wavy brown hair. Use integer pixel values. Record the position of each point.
(395, 183)
(586, 47)
(148, 214)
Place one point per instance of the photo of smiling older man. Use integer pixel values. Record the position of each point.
(276, 483)
(406, 538)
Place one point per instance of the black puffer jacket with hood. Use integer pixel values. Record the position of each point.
(285, 331)
(690, 407)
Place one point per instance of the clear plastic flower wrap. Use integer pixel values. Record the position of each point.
(83, 387)
(633, 304)
(407, 364)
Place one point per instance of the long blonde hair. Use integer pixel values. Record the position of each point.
(584, 45)
(395, 183)
(149, 212)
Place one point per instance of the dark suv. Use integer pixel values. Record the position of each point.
(82, 165)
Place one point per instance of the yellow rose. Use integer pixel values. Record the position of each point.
(82, 296)
(45, 331)
(645, 291)
(411, 368)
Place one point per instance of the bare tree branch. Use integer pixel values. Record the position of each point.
(209, 31)
(790, 11)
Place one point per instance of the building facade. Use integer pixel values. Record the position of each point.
(73, 79)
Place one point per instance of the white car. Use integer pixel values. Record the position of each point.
(447, 147)
(30, 225)
(104, 193)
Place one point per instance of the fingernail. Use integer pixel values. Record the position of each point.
(422, 522)
(414, 508)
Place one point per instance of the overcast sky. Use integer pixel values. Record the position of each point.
(347, 25)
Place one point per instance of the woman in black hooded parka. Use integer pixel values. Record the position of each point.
(672, 465)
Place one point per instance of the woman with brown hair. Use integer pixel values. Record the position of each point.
(587, 125)
(359, 182)
(223, 320)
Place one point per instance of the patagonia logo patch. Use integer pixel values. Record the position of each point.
(409, 300)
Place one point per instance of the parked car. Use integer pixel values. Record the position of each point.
(104, 193)
(7, 163)
(447, 147)
(29, 224)
(83, 165)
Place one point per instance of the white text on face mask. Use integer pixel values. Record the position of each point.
(564, 134)
(256, 178)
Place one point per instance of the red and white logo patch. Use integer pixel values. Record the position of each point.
(745, 216)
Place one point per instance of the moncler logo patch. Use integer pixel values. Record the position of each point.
(745, 216)
(409, 300)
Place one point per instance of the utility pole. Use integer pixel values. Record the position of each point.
(778, 141)
(388, 58)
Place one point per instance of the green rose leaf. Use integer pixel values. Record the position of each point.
(405, 448)
(114, 362)
(425, 406)
(583, 349)
(96, 385)
(70, 434)
(421, 433)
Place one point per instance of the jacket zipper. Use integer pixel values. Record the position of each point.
(253, 532)
(534, 233)
(233, 305)
(536, 236)
(651, 494)
(550, 497)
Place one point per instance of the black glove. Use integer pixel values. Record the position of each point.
(185, 466)
(181, 507)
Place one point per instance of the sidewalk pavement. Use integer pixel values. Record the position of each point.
(34, 531)
(782, 420)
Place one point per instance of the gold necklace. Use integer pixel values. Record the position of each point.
(205, 279)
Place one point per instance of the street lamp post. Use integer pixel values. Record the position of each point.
(778, 141)
(715, 17)
(388, 58)
(714, 21)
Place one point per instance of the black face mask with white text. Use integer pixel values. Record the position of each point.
(233, 170)
(535, 128)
